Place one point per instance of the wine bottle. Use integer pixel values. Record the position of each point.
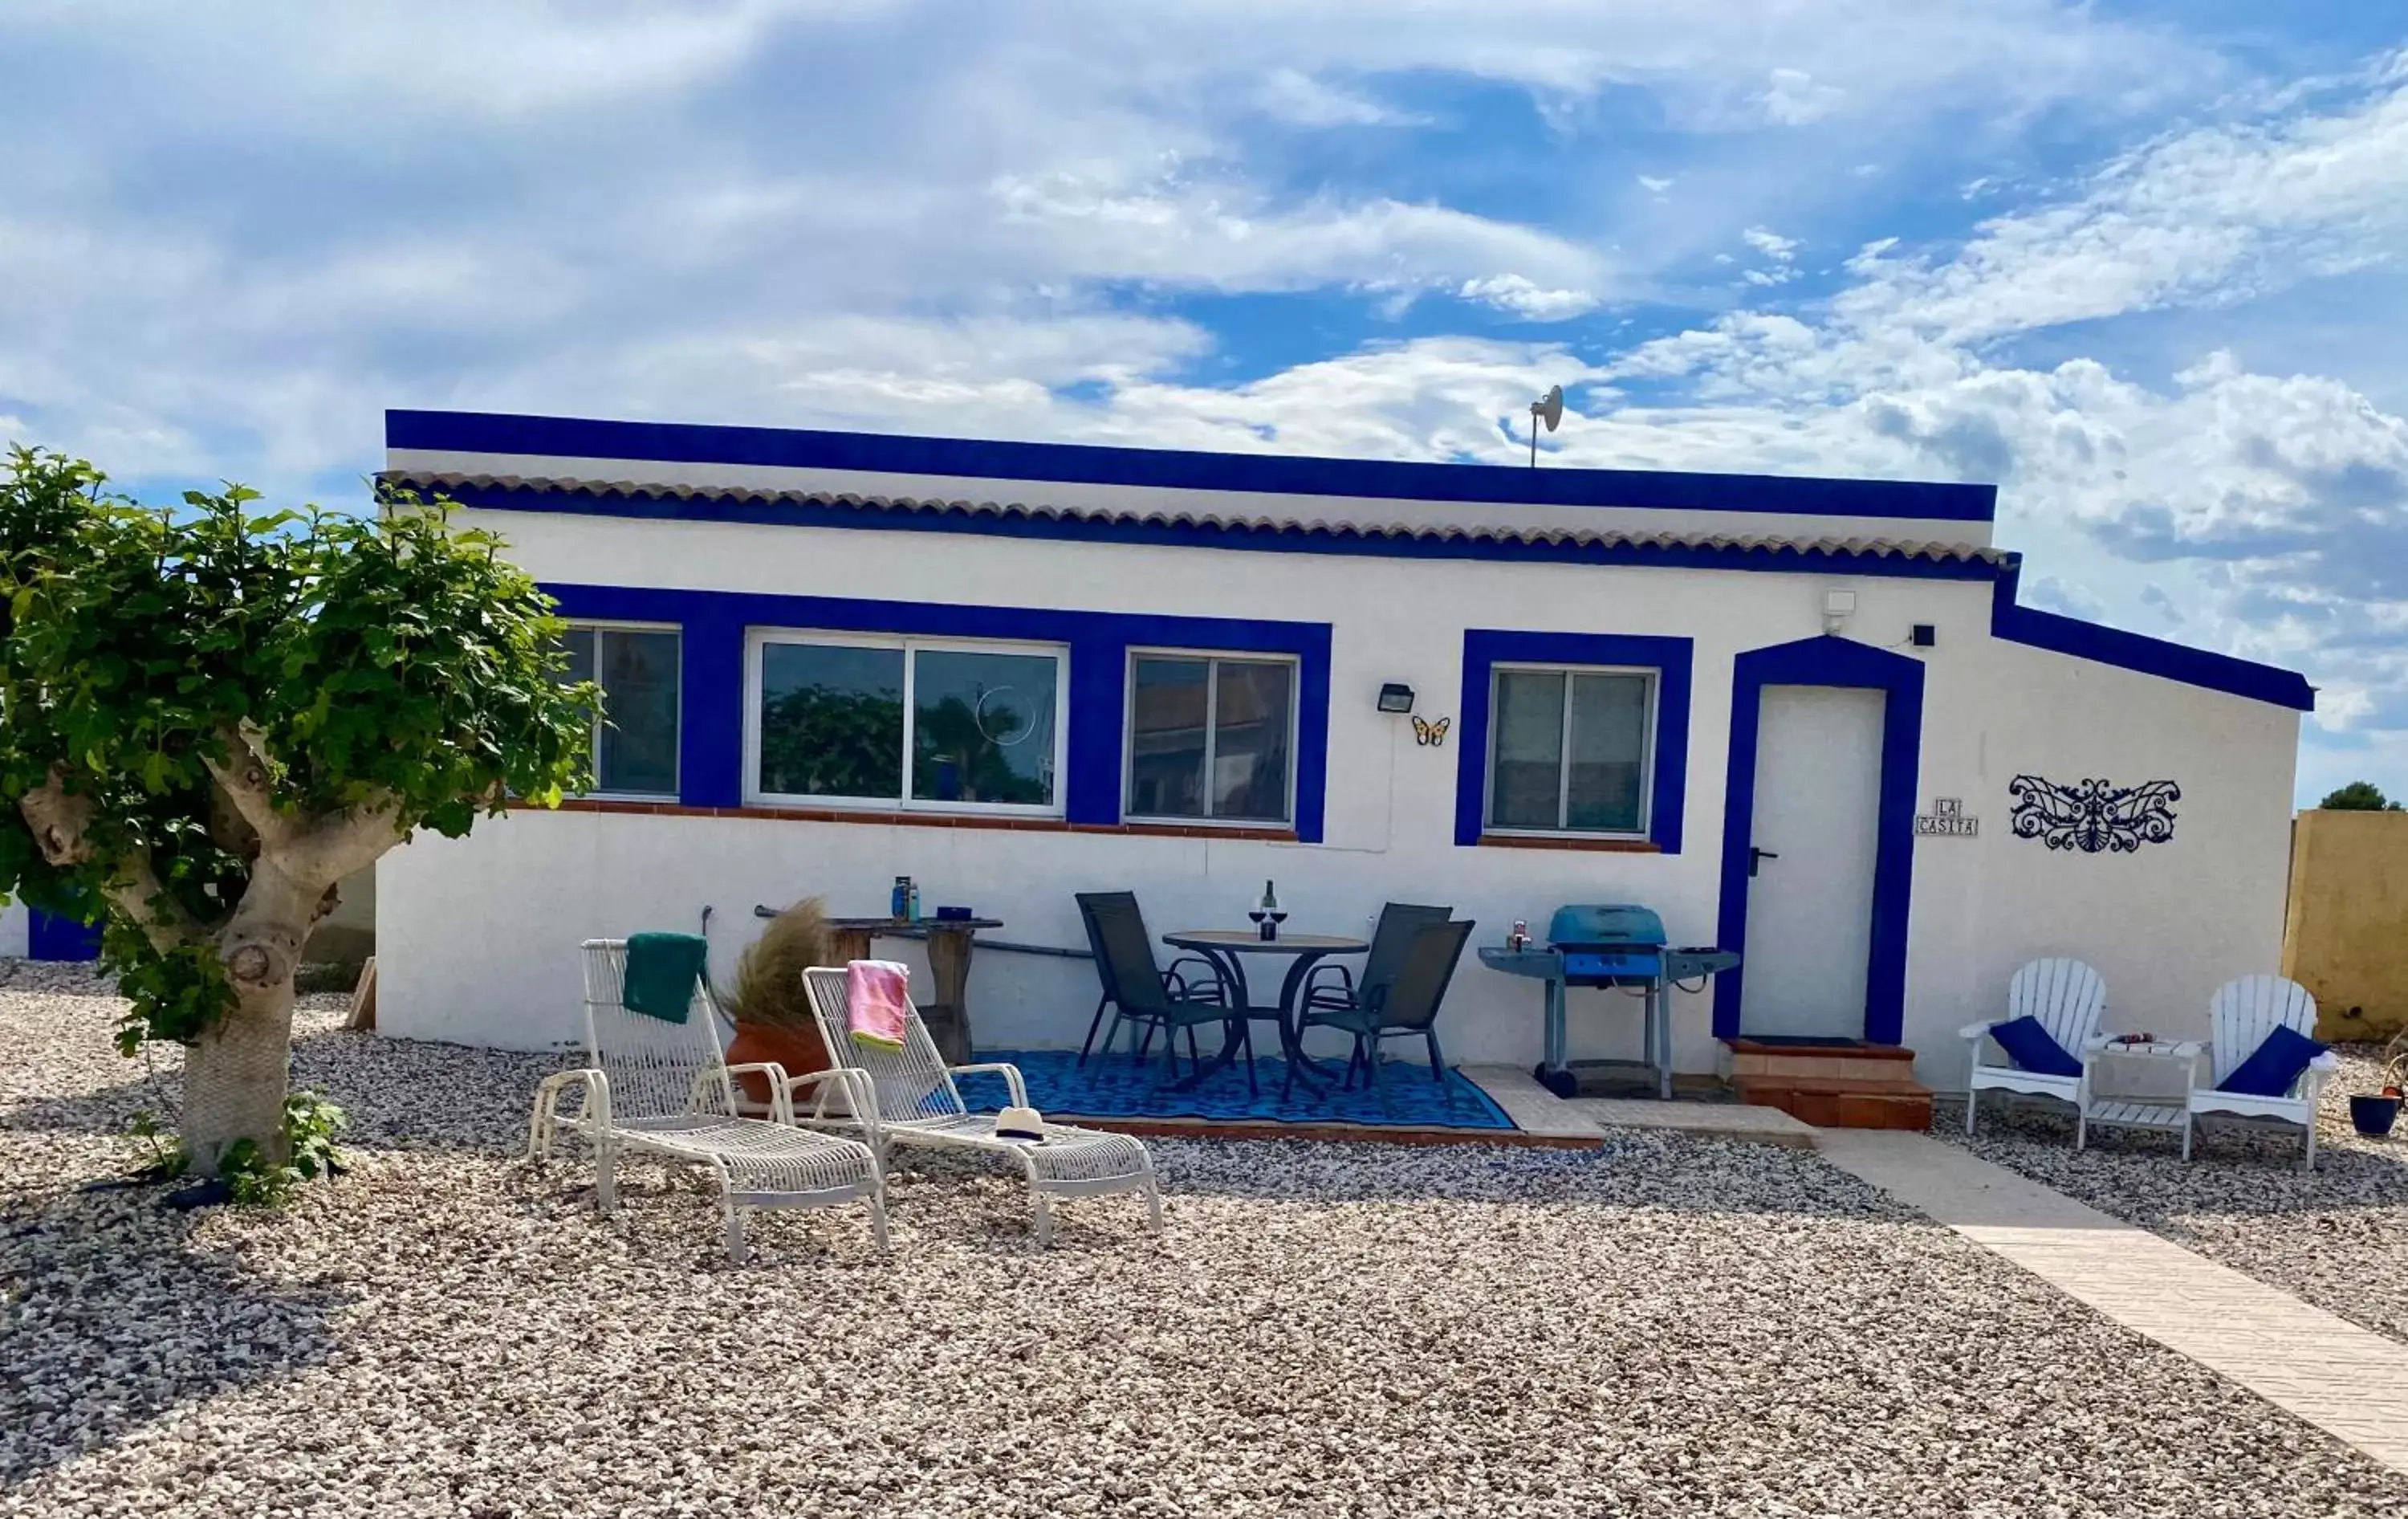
(1270, 911)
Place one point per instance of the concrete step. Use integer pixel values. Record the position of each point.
(1843, 1102)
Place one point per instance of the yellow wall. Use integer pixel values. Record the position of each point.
(2345, 934)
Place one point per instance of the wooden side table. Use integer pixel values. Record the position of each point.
(949, 940)
(2169, 1116)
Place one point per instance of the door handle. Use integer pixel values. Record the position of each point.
(1755, 857)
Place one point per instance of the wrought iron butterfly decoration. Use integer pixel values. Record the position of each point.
(2092, 815)
(1431, 734)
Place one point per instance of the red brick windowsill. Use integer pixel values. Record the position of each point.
(1596, 846)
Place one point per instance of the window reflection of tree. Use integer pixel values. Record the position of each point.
(958, 761)
(820, 742)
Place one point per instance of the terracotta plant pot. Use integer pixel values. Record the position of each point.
(801, 1051)
(2374, 1116)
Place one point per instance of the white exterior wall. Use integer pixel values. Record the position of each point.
(2165, 924)
(478, 938)
(14, 926)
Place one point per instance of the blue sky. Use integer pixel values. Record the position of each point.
(2140, 264)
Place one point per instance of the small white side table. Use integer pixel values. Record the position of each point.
(2169, 1116)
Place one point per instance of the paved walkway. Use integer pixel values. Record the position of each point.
(1535, 1111)
(2344, 1380)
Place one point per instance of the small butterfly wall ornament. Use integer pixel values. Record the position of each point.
(1431, 734)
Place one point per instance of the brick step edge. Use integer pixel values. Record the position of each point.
(1743, 1045)
(1864, 1105)
(1897, 1086)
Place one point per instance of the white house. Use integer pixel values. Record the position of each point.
(1803, 719)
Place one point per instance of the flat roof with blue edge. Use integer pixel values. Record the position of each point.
(502, 433)
(481, 432)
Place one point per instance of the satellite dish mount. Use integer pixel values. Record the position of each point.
(1548, 409)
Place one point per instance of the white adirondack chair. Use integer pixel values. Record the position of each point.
(665, 1090)
(2067, 997)
(915, 1102)
(2241, 1016)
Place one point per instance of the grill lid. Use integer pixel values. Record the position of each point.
(1614, 923)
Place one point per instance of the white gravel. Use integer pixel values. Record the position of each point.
(2337, 1237)
(1674, 1326)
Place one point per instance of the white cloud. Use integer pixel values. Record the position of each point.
(1791, 97)
(1302, 100)
(1770, 243)
(1654, 185)
(1527, 299)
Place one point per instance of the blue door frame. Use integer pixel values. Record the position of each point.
(1828, 662)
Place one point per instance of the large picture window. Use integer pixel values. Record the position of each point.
(911, 722)
(1568, 750)
(635, 738)
(1211, 738)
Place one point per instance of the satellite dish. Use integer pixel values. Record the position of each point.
(1548, 409)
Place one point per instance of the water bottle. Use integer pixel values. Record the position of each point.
(898, 903)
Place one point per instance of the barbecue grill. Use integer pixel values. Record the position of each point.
(1613, 945)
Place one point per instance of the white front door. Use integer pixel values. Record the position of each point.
(1810, 907)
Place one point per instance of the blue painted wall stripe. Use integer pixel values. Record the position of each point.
(710, 744)
(476, 431)
(51, 938)
(1672, 658)
(1829, 662)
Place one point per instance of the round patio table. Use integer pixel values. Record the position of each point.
(1226, 950)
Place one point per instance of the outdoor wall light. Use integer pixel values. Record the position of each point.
(1395, 696)
(1838, 607)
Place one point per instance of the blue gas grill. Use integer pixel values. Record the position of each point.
(1614, 945)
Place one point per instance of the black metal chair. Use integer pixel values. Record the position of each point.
(1331, 985)
(1140, 992)
(1403, 1007)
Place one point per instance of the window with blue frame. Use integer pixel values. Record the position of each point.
(855, 719)
(1212, 738)
(1573, 736)
(1568, 750)
(635, 737)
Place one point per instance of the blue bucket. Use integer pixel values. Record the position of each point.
(2374, 1116)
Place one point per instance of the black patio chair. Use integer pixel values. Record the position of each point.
(1140, 992)
(1404, 1007)
(1331, 985)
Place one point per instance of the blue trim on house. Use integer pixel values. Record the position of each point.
(1670, 658)
(1828, 662)
(51, 938)
(476, 431)
(715, 625)
(665, 507)
(2138, 652)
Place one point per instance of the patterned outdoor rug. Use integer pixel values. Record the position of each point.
(1113, 1087)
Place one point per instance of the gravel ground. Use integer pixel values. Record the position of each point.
(2337, 1236)
(1675, 1327)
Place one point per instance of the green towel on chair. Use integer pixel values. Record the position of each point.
(662, 970)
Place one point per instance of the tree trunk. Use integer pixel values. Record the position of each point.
(234, 1079)
(235, 1073)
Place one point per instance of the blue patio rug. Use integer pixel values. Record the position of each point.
(1113, 1087)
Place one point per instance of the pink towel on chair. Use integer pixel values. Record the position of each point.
(877, 1003)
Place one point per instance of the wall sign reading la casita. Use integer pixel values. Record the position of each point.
(1947, 819)
(2093, 816)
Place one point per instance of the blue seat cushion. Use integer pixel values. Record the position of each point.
(2029, 1045)
(2274, 1066)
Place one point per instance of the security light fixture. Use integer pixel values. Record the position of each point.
(1395, 696)
(1838, 607)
